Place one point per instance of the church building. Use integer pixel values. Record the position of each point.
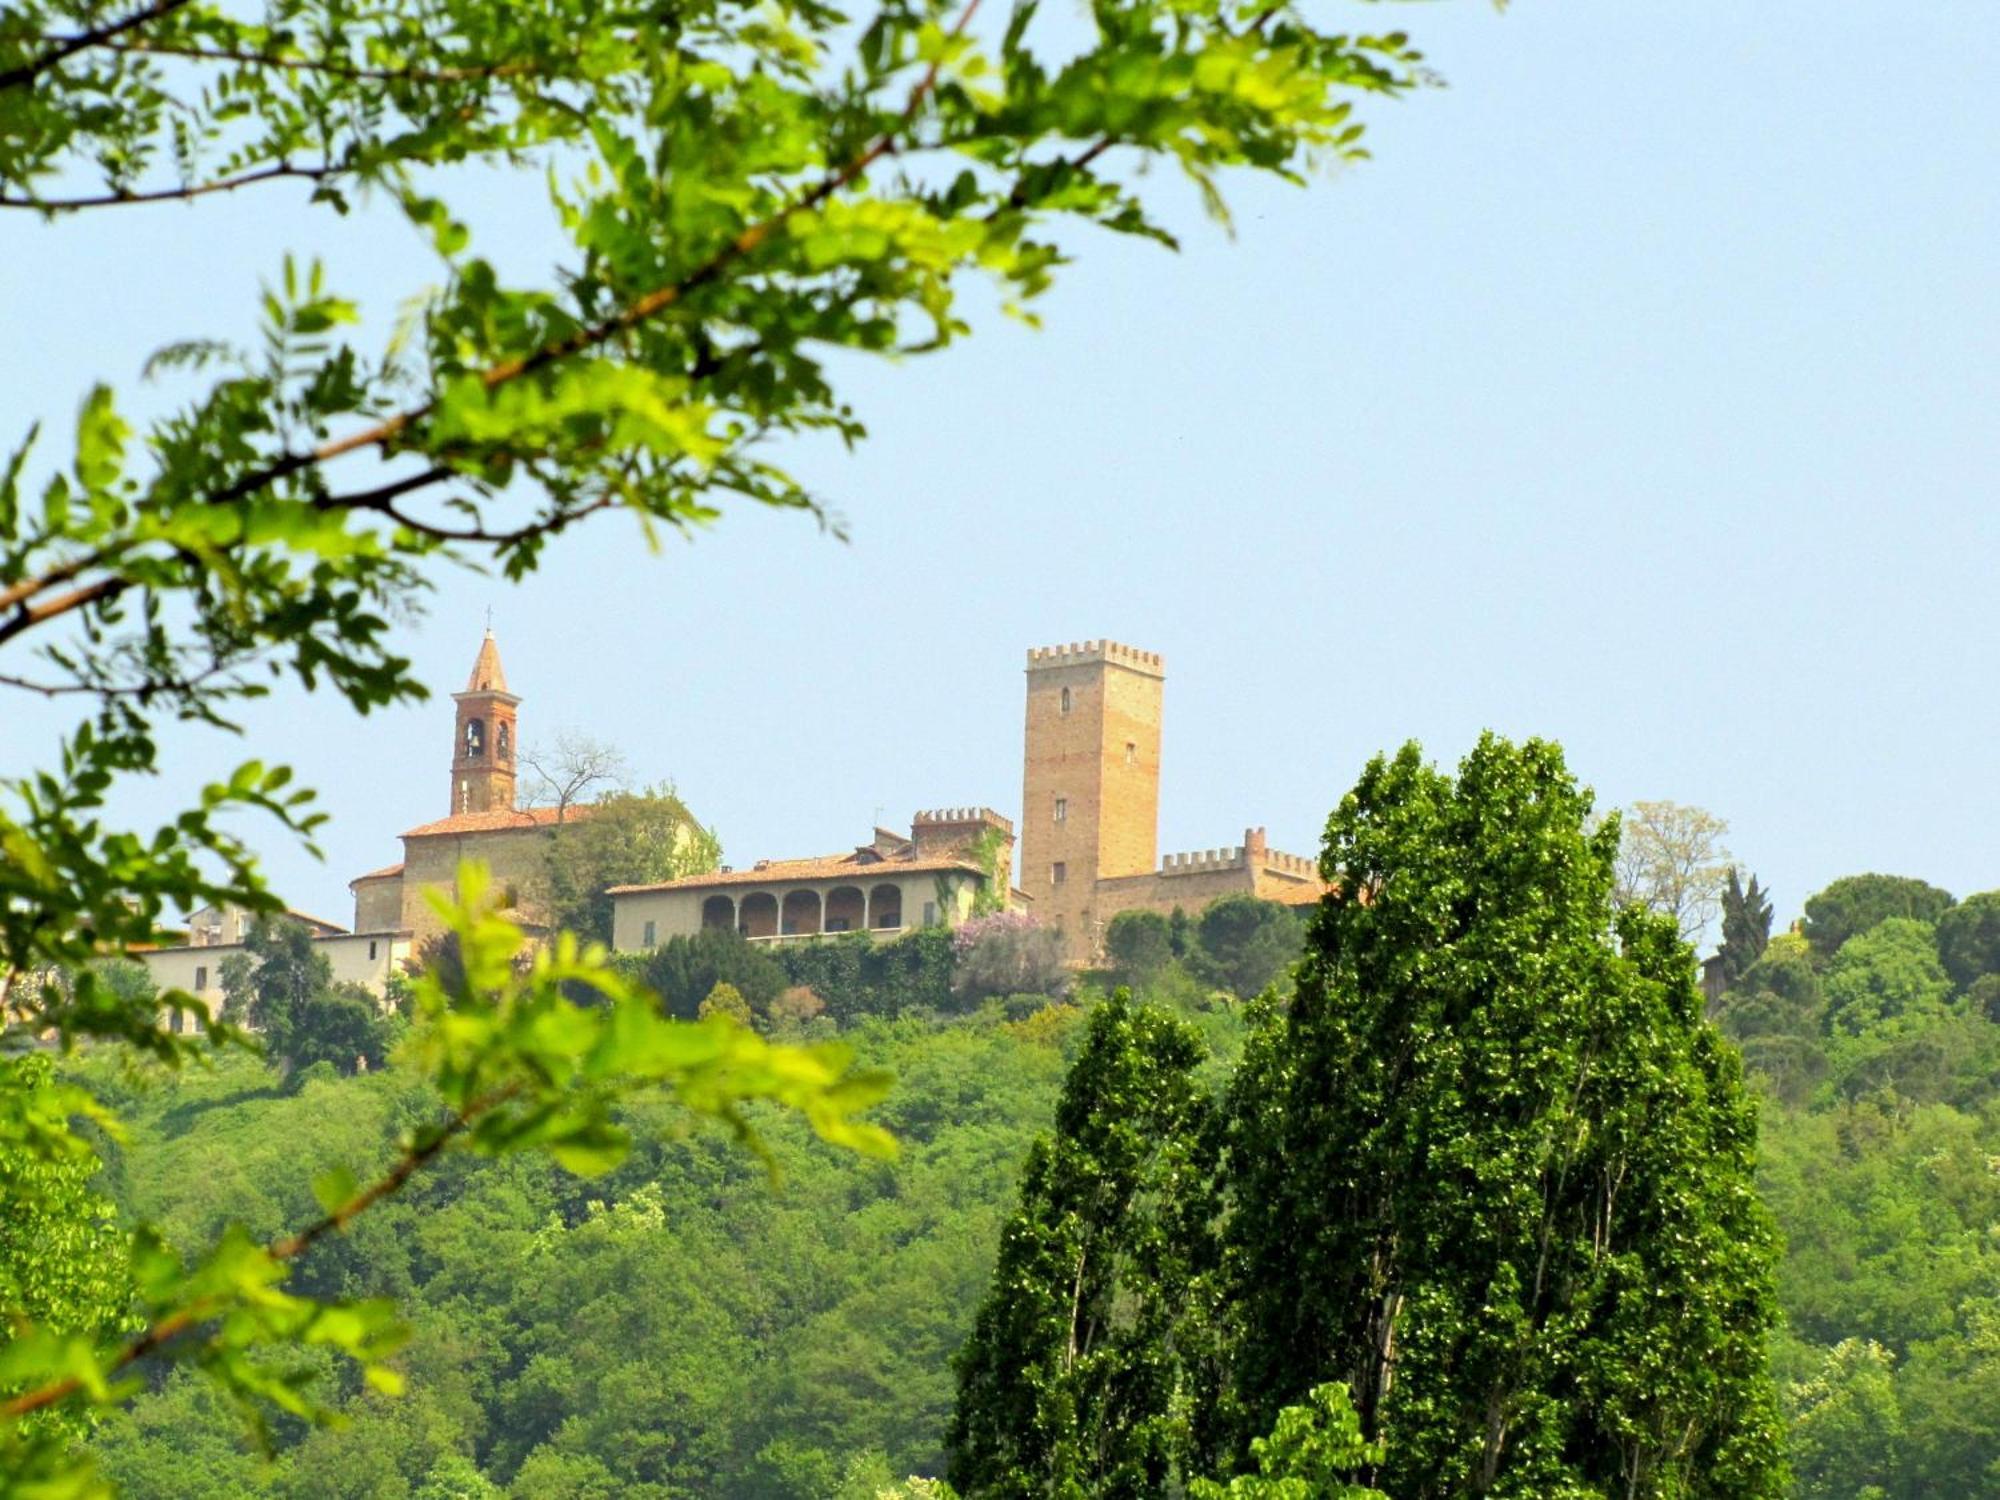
(484, 822)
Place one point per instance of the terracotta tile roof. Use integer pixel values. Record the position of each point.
(827, 867)
(331, 929)
(382, 874)
(492, 822)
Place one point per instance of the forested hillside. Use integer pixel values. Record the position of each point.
(1872, 1032)
(685, 1325)
(691, 1325)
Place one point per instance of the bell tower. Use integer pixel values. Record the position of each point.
(485, 739)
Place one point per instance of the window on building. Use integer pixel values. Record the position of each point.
(475, 739)
(646, 937)
(1058, 873)
(1065, 700)
(930, 914)
(836, 924)
(1131, 753)
(506, 751)
(1062, 809)
(371, 952)
(200, 978)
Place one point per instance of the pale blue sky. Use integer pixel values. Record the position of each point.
(1644, 392)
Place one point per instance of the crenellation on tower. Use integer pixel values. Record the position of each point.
(1086, 653)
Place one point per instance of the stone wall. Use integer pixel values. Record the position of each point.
(368, 959)
(378, 903)
(1190, 881)
(517, 858)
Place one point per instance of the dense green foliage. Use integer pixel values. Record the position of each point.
(1073, 1380)
(1855, 903)
(1746, 926)
(1311, 1454)
(852, 975)
(855, 976)
(1968, 939)
(699, 1334)
(281, 985)
(1137, 945)
(1881, 1066)
(1242, 943)
(63, 1262)
(1492, 1169)
(683, 970)
(623, 838)
(1489, 1169)
(679, 1326)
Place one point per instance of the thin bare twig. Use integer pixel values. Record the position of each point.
(174, 195)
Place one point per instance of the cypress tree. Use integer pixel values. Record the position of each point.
(1076, 1381)
(1492, 1169)
(1746, 927)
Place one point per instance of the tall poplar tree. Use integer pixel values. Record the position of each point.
(1493, 1170)
(1078, 1378)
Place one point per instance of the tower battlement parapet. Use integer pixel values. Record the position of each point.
(1085, 653)
(942, 830)
(1201, 861)
(1236, 857)
(956, 817)
(1293, 864)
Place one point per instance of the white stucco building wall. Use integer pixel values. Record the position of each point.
(369, 959)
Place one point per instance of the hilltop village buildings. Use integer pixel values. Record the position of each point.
(1089, 836)
(1087, 840)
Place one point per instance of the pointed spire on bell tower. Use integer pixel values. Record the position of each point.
(486, 736)
(487, 673)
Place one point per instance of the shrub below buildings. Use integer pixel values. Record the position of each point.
(856, 976)
(683, 970)
(1008, 953)
(725, 1000)
(1137, 945)
(1243, 943)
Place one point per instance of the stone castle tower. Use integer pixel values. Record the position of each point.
(1090, 798)
(482, 760)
